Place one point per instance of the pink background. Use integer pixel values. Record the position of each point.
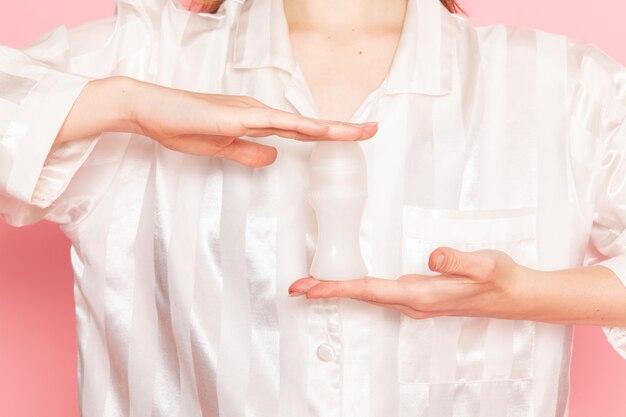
(37, 328)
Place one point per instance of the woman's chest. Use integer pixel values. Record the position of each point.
(430, 183)
(342, 69)
(470, 168)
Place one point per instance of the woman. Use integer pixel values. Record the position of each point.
(494, 221)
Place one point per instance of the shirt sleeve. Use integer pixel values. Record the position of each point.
(600, 105)
(608, 232)
(38, 86)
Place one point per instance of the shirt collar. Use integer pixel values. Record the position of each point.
(422, 63)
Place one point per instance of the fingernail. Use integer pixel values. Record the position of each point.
(369, 124)
(303, 288)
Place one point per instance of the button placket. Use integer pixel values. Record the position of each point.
(324, 366)
(324, 369)
(325, 351)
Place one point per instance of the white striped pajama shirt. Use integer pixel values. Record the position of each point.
(489, 137)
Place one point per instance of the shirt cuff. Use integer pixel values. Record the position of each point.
(617, 338)
(38, 173)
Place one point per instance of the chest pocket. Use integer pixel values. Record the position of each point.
(464, 360)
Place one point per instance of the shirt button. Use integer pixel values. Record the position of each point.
(325, 353)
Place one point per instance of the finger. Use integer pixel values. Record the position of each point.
(365, 289)
(326, 122)
(263, 118)
(340, 132)
(257, 117)
(239, 150)
(192, 144)
(301, 286)
(248, 153)
(290, 134)
(408, 311)
(478, 265)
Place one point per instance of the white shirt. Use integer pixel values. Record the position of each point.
(489, 137)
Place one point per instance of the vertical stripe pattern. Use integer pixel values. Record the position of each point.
(120, 283)
(166, 396)
(207, 303)
(233, 367)
(490, 137)
(262, 398)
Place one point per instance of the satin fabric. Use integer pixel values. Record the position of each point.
(490, 137)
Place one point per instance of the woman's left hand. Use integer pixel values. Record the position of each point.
(481, 283)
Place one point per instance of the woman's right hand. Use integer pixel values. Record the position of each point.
(196, 123)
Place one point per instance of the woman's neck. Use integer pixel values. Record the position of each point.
(333, 16)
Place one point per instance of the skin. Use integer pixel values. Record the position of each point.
(487, 283)
(484, 283)
(333, 49)
(195, 123)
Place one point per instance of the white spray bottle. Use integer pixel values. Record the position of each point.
(338, 193)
